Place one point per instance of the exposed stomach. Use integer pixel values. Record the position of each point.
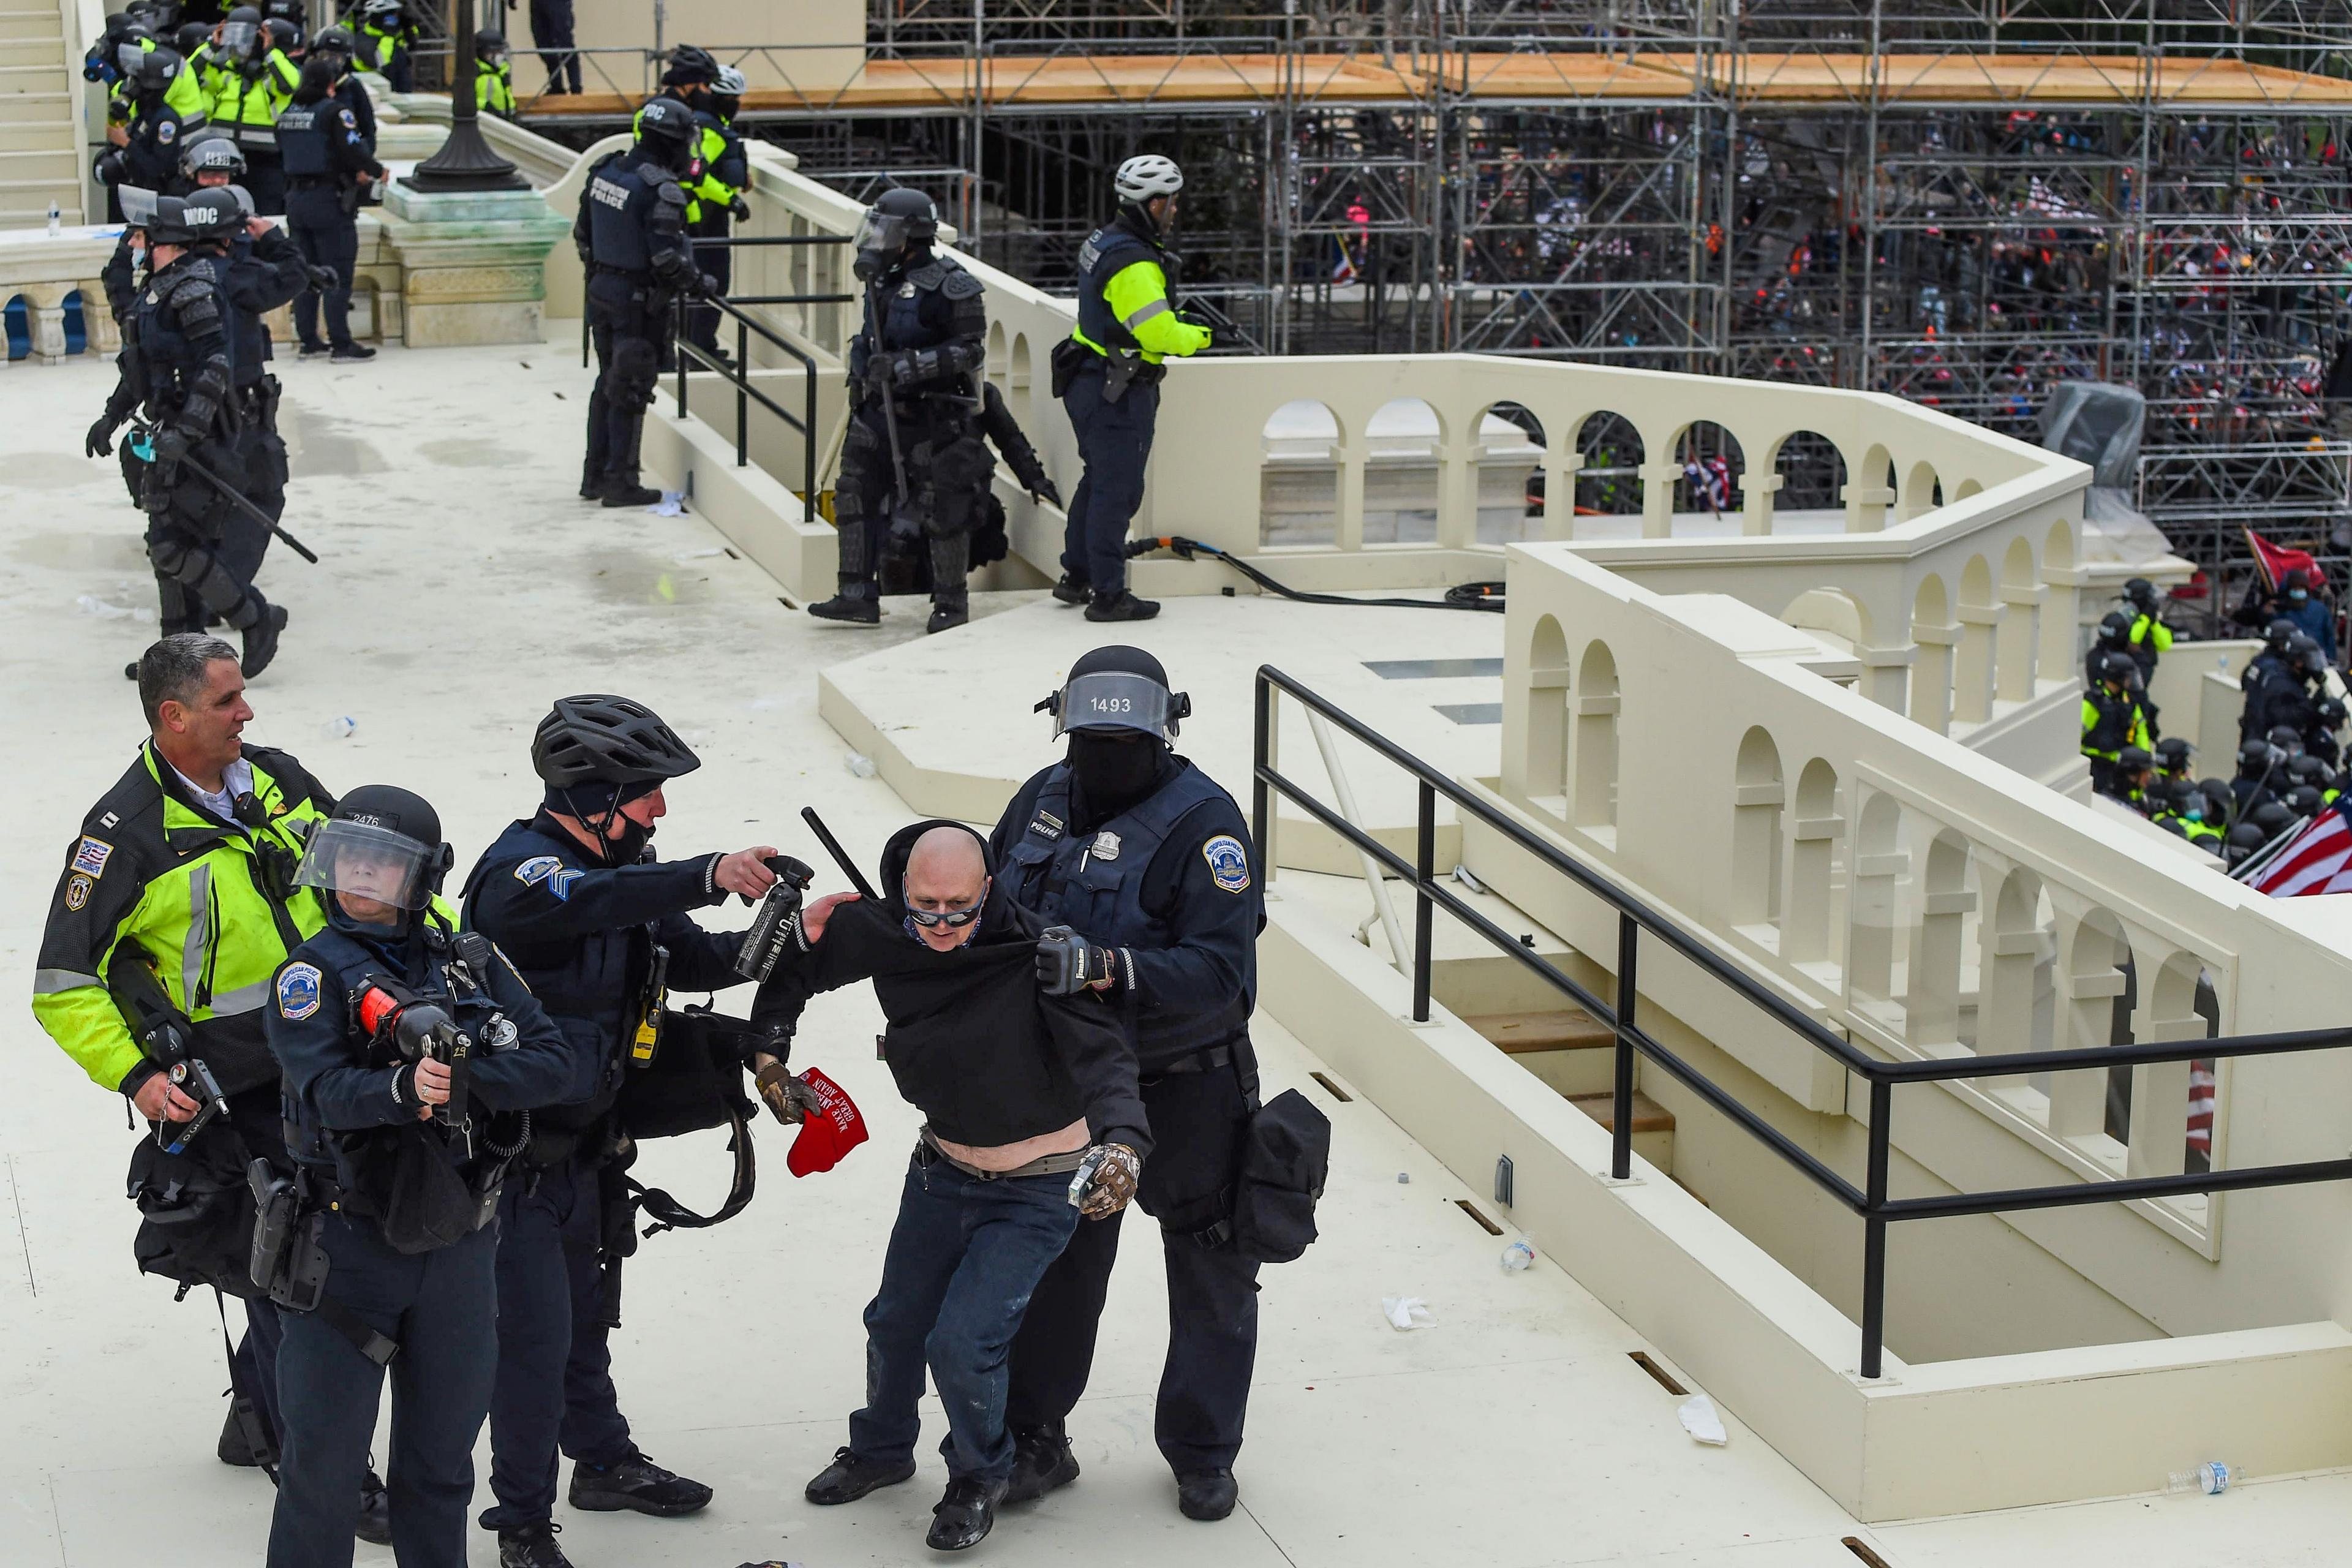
(1012, 1156)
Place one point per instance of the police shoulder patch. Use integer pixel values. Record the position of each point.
(538, 868)
(90, 856)
(298, 991)
(960, 284)
(349, 123)
(166, 130)
(561, 883)
(78, 891)
(1228, 863)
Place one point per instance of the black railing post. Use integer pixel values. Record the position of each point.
(677, 348)
(1425, 873)
(808, 439)
(742, 394)
(1874, 1228)
(1261, 752)
(1621, 1132)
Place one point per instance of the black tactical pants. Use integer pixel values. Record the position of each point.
(625, 322)
(946, 469)
(190, 528)
(327, 237)
(1198, 1121)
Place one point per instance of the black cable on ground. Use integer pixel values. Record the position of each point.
(1462, 596)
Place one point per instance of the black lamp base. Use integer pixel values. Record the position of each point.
(466, 163)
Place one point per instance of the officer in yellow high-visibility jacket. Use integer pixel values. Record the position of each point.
(493, 74)
(1107, 375)
(254, 83)
(181, 883)
(715, 183)
(2112, 719)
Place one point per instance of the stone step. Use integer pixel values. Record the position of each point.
(32, 51)
(34, 133)
(1653, 1125)
(21, 26)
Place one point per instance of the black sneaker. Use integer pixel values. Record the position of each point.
(1121, 605)
(350, 353)
(962, 1518)
(1042, 1461)
(311, 350)
(533, 1547)
(849, 1478)
(619, 493)
(261, 641)
(1207, 1495)
(947, 616)
(1070, 591)
(638, 1484)
(375, 1513)
(866, 611)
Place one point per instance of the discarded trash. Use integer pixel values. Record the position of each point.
(672, 504)
(1462, 875)
(861, 765)
(1700, 1420)
(339, 728)
(1404, 1178)
(1517, 1257)
(699, 554)
(2211, 1478)
(1406, 1313)
(90, 605)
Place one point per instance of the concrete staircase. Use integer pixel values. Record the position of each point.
(1576, 1055)
(40, 133)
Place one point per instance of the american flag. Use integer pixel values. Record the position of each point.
(2317, 860)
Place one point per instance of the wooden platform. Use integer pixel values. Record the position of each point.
(1079, 82)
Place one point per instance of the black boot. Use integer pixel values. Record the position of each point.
(375, 1511)
(1118, 605)
(1042, 1461)
(625, 490)
(638, 1484)
(260, 638)
(950, 565)
(849, 1478)
(947, 613)
(1207, 1495)
(858, 604)
(1070, 591)
(232, 1446)
(532, 1547)
(963, 1517)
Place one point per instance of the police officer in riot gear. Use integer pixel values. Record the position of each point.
(178, 363)
(599, 929)
(631, 234)
(327, 164)
(252, 80)
(715, 185)
(913, 463)
(1150, 863)
(150, 157)
(401, 1139)
(1107, 376)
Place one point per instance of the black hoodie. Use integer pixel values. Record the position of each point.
(988, 1057)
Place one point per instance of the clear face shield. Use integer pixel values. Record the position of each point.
(1115, 700)
(237, 38)
(372, 863)
(880, 240)
(138, 206)
(126, 60)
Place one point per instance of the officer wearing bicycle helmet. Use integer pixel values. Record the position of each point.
(599, 929)
(1107, 376)
(631, 235)
(722, 170)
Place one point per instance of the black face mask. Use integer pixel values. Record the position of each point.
(1113, 773)
(630, 846)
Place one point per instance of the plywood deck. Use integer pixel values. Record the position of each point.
(1083, 81)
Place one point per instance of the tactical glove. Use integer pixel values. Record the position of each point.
(788, 1097)
(323, 278)
(1111, 1183)
(1043, 491)
(100, 442)
(1067, 963)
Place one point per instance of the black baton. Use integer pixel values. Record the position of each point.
(222, 486)
(840, 857)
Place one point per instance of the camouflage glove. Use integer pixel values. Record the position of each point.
(1112, 1185)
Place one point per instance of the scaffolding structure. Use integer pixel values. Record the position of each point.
(1954, 201)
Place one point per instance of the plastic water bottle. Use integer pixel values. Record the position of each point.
(2211, 1478)
(340, 729)
(56, 221)
(1517, 1257)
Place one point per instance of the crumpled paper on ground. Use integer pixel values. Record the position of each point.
(1404, 1312)
(1701, 1420)
(672, 504)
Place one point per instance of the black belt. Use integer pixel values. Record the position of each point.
(1215, 1056)
(310, 182)
(928, 1152)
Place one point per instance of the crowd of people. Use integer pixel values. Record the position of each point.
(2290, 754)
(398, 1120)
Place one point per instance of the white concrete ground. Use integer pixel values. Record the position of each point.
(463, 588)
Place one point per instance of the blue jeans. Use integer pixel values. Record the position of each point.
(439, 1306)
(555, 1387)
(963, 1256)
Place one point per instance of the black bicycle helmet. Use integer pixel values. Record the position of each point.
(690, 66)
(598, 739)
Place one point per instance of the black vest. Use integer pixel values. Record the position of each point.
(620, 196)
(302, 132)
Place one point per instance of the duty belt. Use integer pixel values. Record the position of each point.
(1215, 1056)
(311, 182)
(927, 1150)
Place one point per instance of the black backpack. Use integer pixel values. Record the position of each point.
(1285, 1157)
(196, 1211)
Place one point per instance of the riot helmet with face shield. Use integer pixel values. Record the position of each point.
(379, 857)
(898, 221)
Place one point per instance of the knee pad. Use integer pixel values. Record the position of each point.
(636, 368)
(167, 553)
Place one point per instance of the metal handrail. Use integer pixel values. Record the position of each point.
(1870, 1199)
(739, 376)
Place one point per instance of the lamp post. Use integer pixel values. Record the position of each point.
(465, 161)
